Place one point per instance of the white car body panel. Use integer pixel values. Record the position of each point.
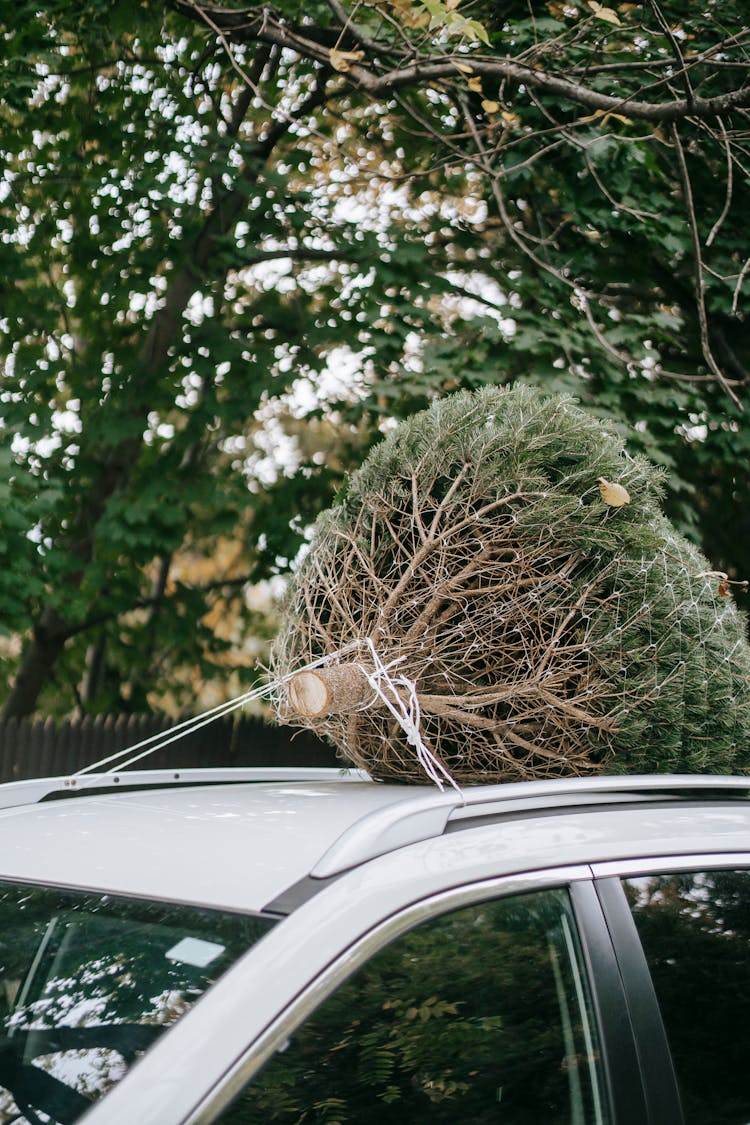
(168, 1085)
(174, 844)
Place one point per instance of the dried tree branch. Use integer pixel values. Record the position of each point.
(260, 24)
(700, 284)
(728, 197)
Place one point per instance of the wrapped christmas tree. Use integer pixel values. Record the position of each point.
(499, 590)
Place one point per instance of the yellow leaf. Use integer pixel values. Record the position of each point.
(409, 15)
(451, 4)
(602, 13)
(511, 119)
(463, 67)
(475, 84)
(342, 60)
(605, 116)
(489, 106)
(614, 494)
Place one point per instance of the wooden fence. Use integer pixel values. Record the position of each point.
(32, 747)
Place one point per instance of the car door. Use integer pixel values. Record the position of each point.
(406, 987)
(496, 1001)
(480, 1012)
(618, 998)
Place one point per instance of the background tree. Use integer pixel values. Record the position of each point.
(206, 208)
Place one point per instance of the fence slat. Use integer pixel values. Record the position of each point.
(8, 744)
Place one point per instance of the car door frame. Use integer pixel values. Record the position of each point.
(659, 1079)
(621, 1070)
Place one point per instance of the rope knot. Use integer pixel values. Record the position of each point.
(390, 690)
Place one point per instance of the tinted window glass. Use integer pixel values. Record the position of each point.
(478, 1016)
(87, 982)
(695, 930)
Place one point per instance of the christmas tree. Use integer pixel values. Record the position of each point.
(500, 572)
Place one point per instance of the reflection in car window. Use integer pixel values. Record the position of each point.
(88, 981)
(695, 930)
(478, 1016)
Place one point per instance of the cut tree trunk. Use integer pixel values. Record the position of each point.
(329, 691)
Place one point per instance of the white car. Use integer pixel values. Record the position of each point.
(310, 946)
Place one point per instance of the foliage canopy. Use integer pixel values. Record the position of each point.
(204, 207)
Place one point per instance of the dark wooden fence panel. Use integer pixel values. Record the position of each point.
(43, 747)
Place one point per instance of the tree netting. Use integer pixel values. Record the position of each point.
(546, 633)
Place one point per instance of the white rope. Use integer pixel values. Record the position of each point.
(390, 689)
(406, 712)
(182, 730)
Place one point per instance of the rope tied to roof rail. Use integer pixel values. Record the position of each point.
(138, 751)
(395, 691)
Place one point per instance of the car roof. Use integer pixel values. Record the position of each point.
(239, 839)
(227, 845)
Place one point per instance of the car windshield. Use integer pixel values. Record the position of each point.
(89, 981)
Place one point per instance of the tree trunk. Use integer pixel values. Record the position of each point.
(37, 665)
(328, 691)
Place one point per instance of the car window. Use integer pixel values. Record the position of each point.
(87, 982)
(481, 1015)
(695, 931)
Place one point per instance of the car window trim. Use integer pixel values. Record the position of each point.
(671, 864)
(650, 1036)
(621, 1065)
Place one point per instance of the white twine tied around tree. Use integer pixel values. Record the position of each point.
(388, 688)
(390, 691)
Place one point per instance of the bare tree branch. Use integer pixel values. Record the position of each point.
(700, 284)
(682, 74)
(260, 24)
(728, 197)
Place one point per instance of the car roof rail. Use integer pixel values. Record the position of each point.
(35, 790)
(432, 813)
